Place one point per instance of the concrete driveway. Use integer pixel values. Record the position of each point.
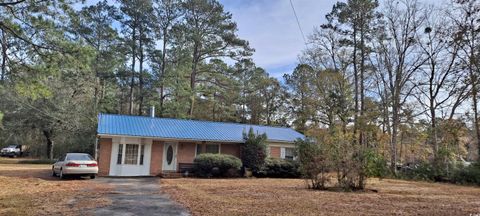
(138, 196)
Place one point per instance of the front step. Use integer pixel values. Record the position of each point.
(171, 175)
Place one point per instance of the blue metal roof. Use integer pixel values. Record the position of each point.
(142, 126)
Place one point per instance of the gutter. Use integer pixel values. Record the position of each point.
(185, 139)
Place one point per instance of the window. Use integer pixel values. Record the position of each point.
(120, 154)
(212, 148)
(62, 158)
(289, 153)
(209, 148)
(198, 149)
(169, 155)
(131, 154)
(142, 150)
(79, 157)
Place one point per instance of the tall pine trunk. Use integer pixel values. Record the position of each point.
(132, 79)
(140, 76)
(193, 78)
(162, 71)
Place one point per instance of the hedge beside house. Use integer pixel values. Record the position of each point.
(217, 165)
(278, 168)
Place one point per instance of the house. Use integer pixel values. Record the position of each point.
(149, 146)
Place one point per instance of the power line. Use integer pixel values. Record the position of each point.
(298, 23)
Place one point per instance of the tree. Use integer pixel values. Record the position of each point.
(167, 12)
(466, 19)
(333, 99)
(302, 95)
(210, 33)
(397, 60)
(253, 151)
(355, 20)
(94, 26)
(136, 19)
(442, 80)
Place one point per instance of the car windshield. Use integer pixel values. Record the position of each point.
(12, 146)
(80, 157)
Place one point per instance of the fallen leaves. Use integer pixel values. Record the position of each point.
(27, 189)
(290, 197)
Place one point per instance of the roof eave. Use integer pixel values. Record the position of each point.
(187, 139)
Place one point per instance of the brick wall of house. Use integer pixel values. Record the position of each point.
(156, 158)
(186, 152)
(231, 149)
(274, 152)
(104, 155)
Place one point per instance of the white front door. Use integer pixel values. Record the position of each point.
(169, 156)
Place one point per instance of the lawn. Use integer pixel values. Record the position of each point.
(28, 189)
(290, 197)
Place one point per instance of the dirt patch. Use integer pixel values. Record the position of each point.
(27, 189)
(289, 197)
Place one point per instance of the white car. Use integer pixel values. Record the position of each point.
(78, 164)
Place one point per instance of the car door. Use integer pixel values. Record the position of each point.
(59, 163)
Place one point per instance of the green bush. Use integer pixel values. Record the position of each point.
(278, 168)
(467, 175)
(421, 171)
(448, 172)
(376, 165)
(217, 165)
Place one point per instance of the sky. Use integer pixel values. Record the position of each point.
(271, 29)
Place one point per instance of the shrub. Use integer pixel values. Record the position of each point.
(467, 175)
(333, 152)
(444, 172)
(278, 168)
(420, 171)
(376, 165)
(313, 164)
(217, 165)
(253, 152)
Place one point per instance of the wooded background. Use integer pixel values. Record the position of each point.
(397, 76)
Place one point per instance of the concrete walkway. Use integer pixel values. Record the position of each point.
(138, 196)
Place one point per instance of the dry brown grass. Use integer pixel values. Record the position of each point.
(290, 197)
(28, 189)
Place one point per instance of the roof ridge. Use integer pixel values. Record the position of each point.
(196, 120)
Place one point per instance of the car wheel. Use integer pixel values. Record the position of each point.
(62, 176)
(92, 177)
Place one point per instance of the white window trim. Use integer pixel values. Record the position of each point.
(138, 156)
(293, 153)
(282, 152)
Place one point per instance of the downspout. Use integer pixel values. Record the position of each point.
(96, 148)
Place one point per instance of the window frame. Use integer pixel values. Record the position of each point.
(141, 155)
(212, 144)
(200, 150)
(132, 159)
(292, 151)
(120, 154)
